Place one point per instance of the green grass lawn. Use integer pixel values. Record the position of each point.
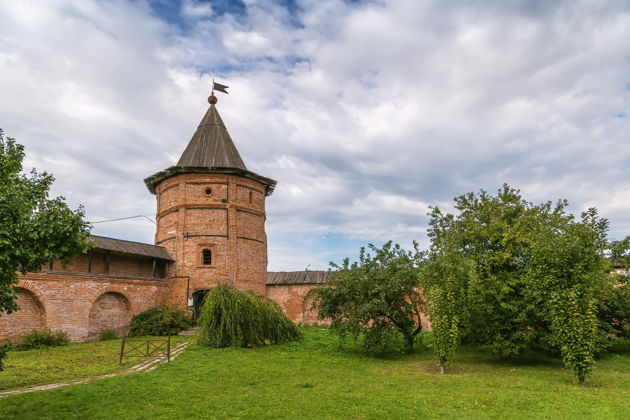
(73, 361)
(314, 379)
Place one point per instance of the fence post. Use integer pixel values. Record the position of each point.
(148, 341)
(122, 350)
(168, 349)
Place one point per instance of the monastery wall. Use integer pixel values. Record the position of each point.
(83, 303)
(296, 300)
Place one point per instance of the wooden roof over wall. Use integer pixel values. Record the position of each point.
(297, 277)
(129, 247)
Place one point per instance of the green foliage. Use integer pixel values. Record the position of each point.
(575, 328)
(108, 335)
(160, 320)
(381, 339)
(44, 338)
(309, 379)
(445, 281)
(232, 318)
(613, 309)
(3, 354)
(371, 297)
(33, 228)
(528, 276)
(620, 254)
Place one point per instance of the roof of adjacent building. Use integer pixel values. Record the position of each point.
(297, 277)
(210, 150)
(129, 247)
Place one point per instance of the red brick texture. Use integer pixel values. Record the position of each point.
(31, 316)
(80, 303)
(224, 214)
(296, 300)
(110, 311)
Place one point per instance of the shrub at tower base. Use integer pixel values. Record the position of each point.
(232, 318)
(160, 320)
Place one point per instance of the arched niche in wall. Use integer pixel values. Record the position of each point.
(110, 311)
(31, 316)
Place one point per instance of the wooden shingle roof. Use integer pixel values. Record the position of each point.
(210, 150)
(211, 146)
(129, 247)
(297, 277)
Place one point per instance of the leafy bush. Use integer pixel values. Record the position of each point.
(3, 353)
(381, 339)
(44, 338)
(160, 320)
(108, 335)
(232, 318)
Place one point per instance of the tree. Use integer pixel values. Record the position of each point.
(375, 296)
(528, 275)
(567, 268)
(446, 278)
(33, 228)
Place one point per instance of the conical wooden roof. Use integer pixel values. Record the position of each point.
(211, 146)
(210, 150)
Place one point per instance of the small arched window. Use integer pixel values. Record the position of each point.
(206, 257)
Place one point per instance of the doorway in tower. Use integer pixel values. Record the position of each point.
(197, 301)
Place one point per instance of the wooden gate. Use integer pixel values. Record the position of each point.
(131, 347)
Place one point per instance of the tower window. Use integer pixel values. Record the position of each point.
(208, 191)
(251, 196)
(206, 257)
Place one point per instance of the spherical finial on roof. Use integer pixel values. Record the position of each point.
(212, 99)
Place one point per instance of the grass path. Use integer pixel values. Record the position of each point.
(145, 365)
(313, 379)
(65, 363)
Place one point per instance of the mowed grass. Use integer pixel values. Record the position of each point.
(314, 379)
(73, 361)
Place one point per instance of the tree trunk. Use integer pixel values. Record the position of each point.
(409, 340)
(581, 377)
(442, 367)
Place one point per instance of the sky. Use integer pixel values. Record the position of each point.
(365, 112)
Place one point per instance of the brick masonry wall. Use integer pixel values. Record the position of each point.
(111, 311)
(296, 301)
(80, 304)
(31, 316)
(221, 213)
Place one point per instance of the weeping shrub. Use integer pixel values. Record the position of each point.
(232, 318)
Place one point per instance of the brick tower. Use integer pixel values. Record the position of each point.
(211, 216)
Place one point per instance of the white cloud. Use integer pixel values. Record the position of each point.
(365, 114)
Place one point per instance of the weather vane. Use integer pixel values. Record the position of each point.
(219, 88)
